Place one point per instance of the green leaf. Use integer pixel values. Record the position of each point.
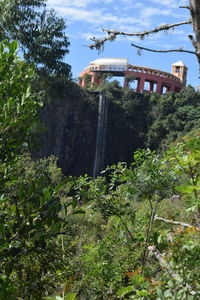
(186, 189)
(70, 296)
(23, 99)
(14, 46)
(47, 193)
(18, 108)
(79, 211)
(124, 290)
(74, 202)
(142, 293)
(59, 187)
(53, 298)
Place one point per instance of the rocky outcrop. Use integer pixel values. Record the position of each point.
(70, 121)
(69, 133)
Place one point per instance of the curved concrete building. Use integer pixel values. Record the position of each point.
(147, 79)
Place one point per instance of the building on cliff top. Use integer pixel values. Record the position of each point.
(156, 80)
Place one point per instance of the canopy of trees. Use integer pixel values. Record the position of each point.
(131, 234)
(39, 32)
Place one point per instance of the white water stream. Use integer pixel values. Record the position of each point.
(101, 135)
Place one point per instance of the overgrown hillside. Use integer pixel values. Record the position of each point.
(133, 121)
(131, 234)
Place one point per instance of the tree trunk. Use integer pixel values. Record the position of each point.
(195, 13)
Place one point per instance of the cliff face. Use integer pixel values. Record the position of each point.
(126, 128)
(70, 131)
(71, 121)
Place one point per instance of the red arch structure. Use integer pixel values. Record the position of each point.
(148, 79)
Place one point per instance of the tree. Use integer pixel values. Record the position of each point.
(139, 240)
(193, 7)
(30, 206)
(39, 32)
(19, 107)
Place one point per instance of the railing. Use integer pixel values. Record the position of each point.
(153, 72)
(145, 70)
(107, 68)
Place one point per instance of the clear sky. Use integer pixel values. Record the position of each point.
(85, 18)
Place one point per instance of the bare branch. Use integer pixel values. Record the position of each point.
(164, 51)
(176, 223)
(154, 252)
(143, 33)
(167, 266)
(112, 34)
(184, 6)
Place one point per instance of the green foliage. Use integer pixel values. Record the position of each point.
(115, 262)
(185, 160)
(69, 296)
(40, 32)
(19, 107)
(146, 120)
(79, 238)
(31, 211)
(172, 115)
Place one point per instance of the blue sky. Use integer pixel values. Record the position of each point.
(85, 18)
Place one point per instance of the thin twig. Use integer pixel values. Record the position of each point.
(127, 229)
(164, 51)
(148, 232)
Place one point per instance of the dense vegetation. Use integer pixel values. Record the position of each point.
(39, 32)
(143, 120)
(132, 233)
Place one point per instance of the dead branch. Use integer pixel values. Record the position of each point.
(154, 252)
(146, 32)
(164, 51)
(176, 223)
(112, 34)
(166, 266)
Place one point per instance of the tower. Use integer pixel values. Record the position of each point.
(179, 69)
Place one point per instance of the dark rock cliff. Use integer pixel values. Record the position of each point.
(71, 117)
(70, 130)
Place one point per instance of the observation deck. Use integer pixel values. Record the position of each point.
(155, 80)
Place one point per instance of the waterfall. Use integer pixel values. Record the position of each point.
(101, 135)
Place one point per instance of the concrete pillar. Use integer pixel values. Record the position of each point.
(137, 88)
(172, 88)
(159, 87)
(168, 88)
(151, 85)
(141, 84)
(176, 89)
(125, 83)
